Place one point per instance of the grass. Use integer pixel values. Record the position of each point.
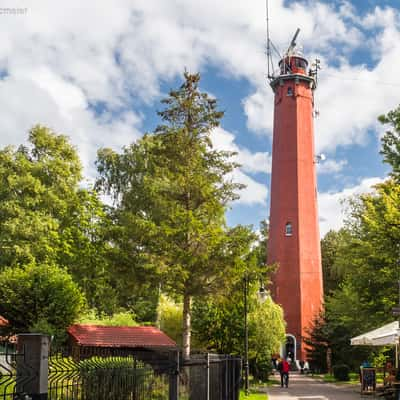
(329, 378)
(253, 396)
(354, 378)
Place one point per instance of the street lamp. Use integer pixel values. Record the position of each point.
(262, 295)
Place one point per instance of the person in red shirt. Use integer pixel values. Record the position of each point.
(283, 368)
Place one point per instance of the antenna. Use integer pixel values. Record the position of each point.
(293, 42)
(270, 49)
(269, 61)
(315, 67)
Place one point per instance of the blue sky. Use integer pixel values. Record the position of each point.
(97, 70)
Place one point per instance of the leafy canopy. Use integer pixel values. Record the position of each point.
(391, 141)
(39, 295)
(46, 217)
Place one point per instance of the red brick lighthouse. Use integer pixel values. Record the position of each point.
(294, 242)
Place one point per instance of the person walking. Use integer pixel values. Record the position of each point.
(283, 369)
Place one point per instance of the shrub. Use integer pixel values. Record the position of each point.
(100, 374)
(118, 319)
(341, 372)
(115, 378)
(41, 298)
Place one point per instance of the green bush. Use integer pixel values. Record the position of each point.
(39, 298)
(108, 378)
(341, 372)
(118, 319)
(119, 378)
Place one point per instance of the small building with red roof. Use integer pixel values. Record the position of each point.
(146, 342)
(142, 337)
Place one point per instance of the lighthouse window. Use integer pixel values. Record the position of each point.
(288, 229)
(300, 63)
(289, 91)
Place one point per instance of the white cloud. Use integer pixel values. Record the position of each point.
(255, 192)
(330, 166)
(65, 59)
(25, 103)
(250, 162)
(349, 97)
(331, 207)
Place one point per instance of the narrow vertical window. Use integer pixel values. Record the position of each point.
(289, 91)
(288, 229)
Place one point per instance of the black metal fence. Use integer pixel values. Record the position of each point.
(210, 377)
(115, 374)
(8, 374)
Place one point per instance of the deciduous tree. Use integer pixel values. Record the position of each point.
(47, 217)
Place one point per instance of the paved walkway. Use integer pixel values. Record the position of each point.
(305, 388)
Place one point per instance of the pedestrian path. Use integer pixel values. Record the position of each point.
(302, 387)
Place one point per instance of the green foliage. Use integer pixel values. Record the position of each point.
(253, 396)
(170, 318)
(46, 217)
(117, 319)
(39, 296)
(391, 141)
(171, 191)
(34, 195)
(330, 248)
(218, 322)
(366, 259)
(102, 372)
(341, 372)
(218, 325)
(361, 264)
(333, 330)
(43, 326)
(318, 341)
(369, 258)
(267, 328)
(380, 359)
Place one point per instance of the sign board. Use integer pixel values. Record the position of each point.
(396, 311)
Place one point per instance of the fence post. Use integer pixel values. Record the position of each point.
(208, 377)
(135, 379)
(174, 377)
(33, 367)
(226, 394)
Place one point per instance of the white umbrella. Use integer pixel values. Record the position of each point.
(385, 335)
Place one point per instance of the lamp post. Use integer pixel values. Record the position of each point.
(262, 296)
(246, 337)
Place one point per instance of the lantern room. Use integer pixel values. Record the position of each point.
(293, 65)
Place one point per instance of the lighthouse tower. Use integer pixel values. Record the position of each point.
(294, 242)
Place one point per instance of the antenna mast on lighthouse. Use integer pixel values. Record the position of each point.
(269, 57)
(270, 45)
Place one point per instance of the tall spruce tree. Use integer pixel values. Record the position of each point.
(171, 191)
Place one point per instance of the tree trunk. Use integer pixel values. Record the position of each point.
(187, 313)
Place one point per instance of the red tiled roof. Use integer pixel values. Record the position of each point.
(119, 336)
(3, 321)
